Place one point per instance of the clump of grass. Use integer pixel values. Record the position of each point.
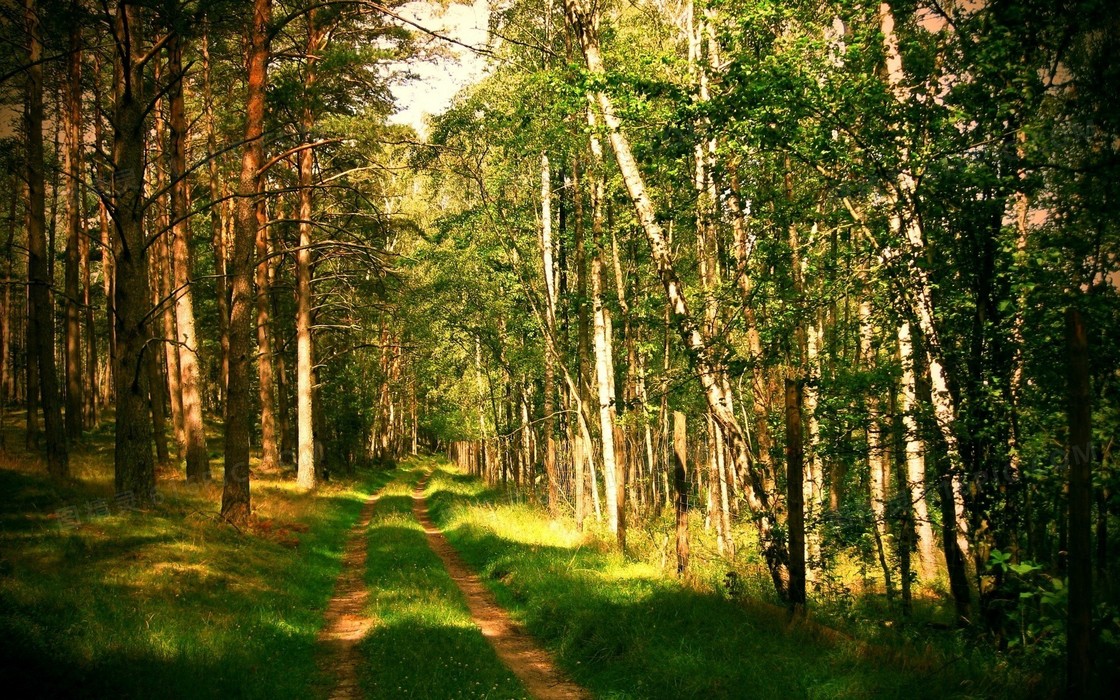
(626, 629)
(424, 643)
(167, 602)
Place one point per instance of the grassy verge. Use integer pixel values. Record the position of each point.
(167, 602)
(424, 644)
(626, 630)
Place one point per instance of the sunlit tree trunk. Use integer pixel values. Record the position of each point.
(680, 488)
(162, 295)
(915, 458)
(235, 493)
(305, 362)
(187, 346)
(550, 314)
(604, 367)
(270, 449)
(72, 127)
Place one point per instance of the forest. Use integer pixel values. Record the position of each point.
(690, 349)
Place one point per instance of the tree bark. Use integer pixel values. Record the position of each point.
(915, 459)
(270, 449)
(40, 318)
(549, 370)
(72, 127)
(604, 368)
(235, 494)
(187, 346)
(680, 483)
(1079, 630)
(134, 467)
(795, 472)
(305, 348)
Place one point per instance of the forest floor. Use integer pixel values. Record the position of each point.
(100, 600)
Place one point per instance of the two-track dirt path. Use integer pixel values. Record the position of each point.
(346, 623)
(529, 662)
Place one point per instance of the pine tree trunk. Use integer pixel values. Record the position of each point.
(163, 294)
(40, 319)
(305, 362)
(270, 448)
(72, 127)
(7, 384)
(187, 347)
(235, 493)
(134, 466)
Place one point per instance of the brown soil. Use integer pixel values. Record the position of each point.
(517, 650)
(344, 621)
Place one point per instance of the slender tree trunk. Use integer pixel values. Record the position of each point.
(603, 370)
(108, 253)
(217, 223)
(7, 384)
(680, 483)
(72, 127)
(167, 370)
(305, 363)
(550, 312)
(163, 294)
(40, 319)
(1079, 630)
(915, 459)
(90, 409)
(270, 449)
(235, 493)
(134, 467)
(795, 496)
(157, 404)
(187, 345)
(876, 446)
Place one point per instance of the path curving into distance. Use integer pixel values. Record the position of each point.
(345, 622)
(533, 665)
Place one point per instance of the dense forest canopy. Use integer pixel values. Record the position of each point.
(840, 278)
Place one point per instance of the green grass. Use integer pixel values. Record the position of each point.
(626, 629)
(168, 602)
(424, 644)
